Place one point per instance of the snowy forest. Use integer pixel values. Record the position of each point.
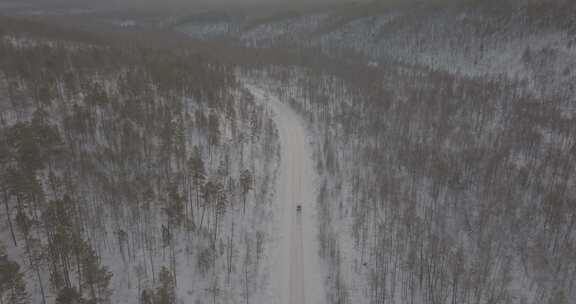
(426, 198)
(128, 172)
(380, 152)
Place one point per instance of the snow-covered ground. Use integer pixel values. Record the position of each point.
(467, 42)
(297, 275)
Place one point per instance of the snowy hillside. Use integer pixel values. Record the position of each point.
(429, 195)
(364, 153)
(478, 40)
(131, 175)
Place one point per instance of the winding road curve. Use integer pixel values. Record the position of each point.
(296, 276)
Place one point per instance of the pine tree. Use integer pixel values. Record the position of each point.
(175, 208)
(96, 277)
(63, 241)
(209, 195)
(69, 295)
(166, 292)
(220, 208)
(8, 211)
(25, 224)
(246, 181)
(213, 132)
(196, 167)
(5, 158)
(147, 297)
(12, 286)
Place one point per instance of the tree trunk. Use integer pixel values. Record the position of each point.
(230, 250)
(215, 225)
(246, 284)
(9, 219)
(191, 205)
(79, 271)
(36, 269)
(197, 195)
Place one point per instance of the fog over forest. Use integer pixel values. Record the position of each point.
(275, 152)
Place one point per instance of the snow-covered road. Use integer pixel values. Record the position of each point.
(296, 276)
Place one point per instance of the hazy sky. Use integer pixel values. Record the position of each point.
(191, 3)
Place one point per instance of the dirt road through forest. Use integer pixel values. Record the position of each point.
(297, 276)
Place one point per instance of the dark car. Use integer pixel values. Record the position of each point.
(299, 208)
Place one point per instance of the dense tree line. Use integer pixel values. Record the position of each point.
(126, 170)
(452, 189)
(12, 284)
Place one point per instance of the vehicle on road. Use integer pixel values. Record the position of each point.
(299, 208)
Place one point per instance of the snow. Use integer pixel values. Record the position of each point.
(297, 275)
(208, 31)
(125, 23)
(290, 29)
(468, 43)
(132, 270)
